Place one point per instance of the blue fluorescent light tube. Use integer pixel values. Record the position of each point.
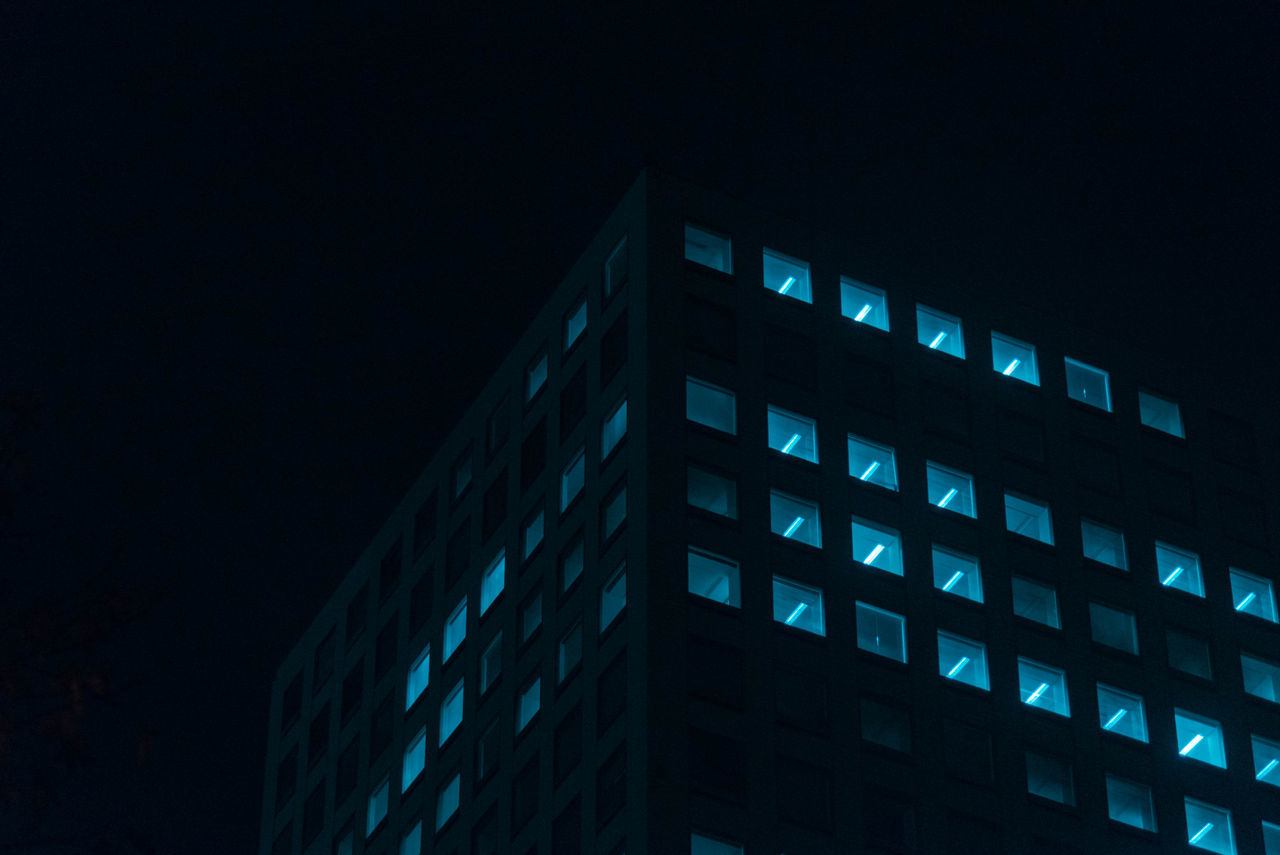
(875, 464)
(951, 494)
(1195, 740)
(1201, 833)
(786, 285)
(1266, 770)
(953, 580)
(937, 340)
(1035, 696)
(796, 613)
(874, 554)
(791, 443)
(1174, 575)
(795, 524)
(1111, 722)
(1240, 606)
(866, 310)
(1013, 366)
(964, 660)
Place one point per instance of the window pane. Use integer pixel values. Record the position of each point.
(795, 519)
(956, 573)
(886, 725)
(963, 660)
(1130, 802)
(447, 801)
(872, 463)
(613, 430)
(1253, 595)
(529, 703)
(1261, 678)
(455, 630)
(1122, 713)
(377, 811)
(798, 605)
(1266, 760)
(710, 405)
(491, 663)
(451, 712)
(793, 434)
(787, 276)
(1113, 627)
(708, 249)
(1189, 654)
(1179, 569)
(939, 331)
(712, 492)
(877, 546)
(866, 305)
(493, 580)
(613, 597)
(1199, 738)
(1088, 385)
(1160, 413)
(699, 845)
(1043, 686)
(575, 323)
(950, 489)
(419, 674)
(411, 844)
(535, 377)
(616, 268)
(1034, 601)
(615, 512)
(881, 632)
(569, 652)
(1028, 517)
(1050, 778)
(1014, 358)
(1103, 544)
(1209, 827)
(530, 617)
(415, 760)
(572, 479)
(571, 564)
(462, 475)
(714, 577)
(1270, 838)
(533, 533)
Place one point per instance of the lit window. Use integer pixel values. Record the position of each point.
(613, 430)
(1013, 358)
(415, 760)
(1043, 687)
(528, 704)
(1160, 413)
(571, 564)
(1270, 838)
(377, 810)
(1103, 544)
(569, 652)
(1114, 627)
(419, 675)
(712, 492)
(963, 660)
(1189, 654)
(950, 489)
(447, 800)
(699, 845)
(1261, 678)
(493, 580)
(877, 546)
(1179, 569)
(575, 324)
(1252, 595)
(346, 845)
(799, 606)
(872, 463)
(939, 331)
(572, 479)
(1122, 713)
(1209, 827)
(710, 405)
(614, 513)
(613, 597)
(1050, 778)
(530, 616)
(714, 577)
(1035, 601)
(1266, 760)
(1199, 738)
(451, 712)
(787, 276)
(956, 573)
(866, 305)
(411, 844)
(1088, 385)
(1028, 517)
(535, 377)
(462, 474)
(491, 663)
(793, 434)
(616, 268)
(455, 630)
(708, 249)
(881, 632)
(794, 519)
(534, 530)
(1130, 802)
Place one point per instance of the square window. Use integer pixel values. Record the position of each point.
(1199, 738)
(866, 305)
(1160, 413)
(415, 760)
(963, 660)
(792, 434)
(872, 463)
(939, 331)
(571, 564)
(794, 518)
(1261, 678)
(956, 573)
(575, 324)
(1088, 385)
(712, 492)
(535, 377)
(447, 800)
(886, 725)
(614, 513)
(455, 630)
(798, 605)
(787, 276)
(1050, 778)
(1266, 760)
(1103, 544)
(1028, 517)
(569, 652)
(1014, 358)
(700, 845)
(616, 269)
(451, 712)
(613, 429)
(1114, 627)
(881, 632)
(1122, 713)
(528, 704)
(493, 580)
(488, 751)
(530, 616)
(1179, 569)
(572, 479)
(950, 489)
(377, 810)
(877, 546)
(1209, 827)
(710, 405)
(714, 577)
(1035, 601)
(419, 675)
(491, 663)
(613, 597)
(1043, 687)
(1189, 654)
(1130, 803)
(708, 249)
(534, 531)
(1253, 595)
(411, 843)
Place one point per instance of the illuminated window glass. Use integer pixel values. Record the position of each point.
(1253, 595)
(533, 533)
(957, 574)
(1122, 713)
(613, 597)
(939, 331)
(1050, 778)
(1199, 738)
(571, 563)
(866, 305)
(787, 276)
(699, 845)
(1103, 544)
(528, 704)
(1160, 413)
(1130, 803)
(798, 605)
(451, 712)
(613, 429)
(793, 434)
(1035, 601)
(872, 463)
(491, 663)
(714, 577)
(1088, 385)
(794, 519)
(881, 632)
(462, 474)
(419, 675)
(1013, 358)
(1270, 838)
(1261, 678)
(1189, 654)
(712, 492)
(614, 513)
(616, 269)
(573, 478)
(877, 546)
(575, 324)
(963, 660)
(569, 652)
(411, 843)
(1028, 517)
(708, 249)
(1209, 827)
(1114, 627)
(530, 616)
(447, 800)
(493, 580)
(1266, 760)
(950, 489)
(455, 630)
(415, 760)
(535, 377)
(1179, 569)
(377, 810)
(710, 405)
(1043, 687)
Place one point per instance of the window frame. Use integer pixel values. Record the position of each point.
(1014, 368)
(456, 622)
(1041, 515)
(1241, 600)
(1089, 529)
(714, 237)
(497, 568)
(816, 605)
(1031, 697)
(972, 652)
(791, 530)
(1094, 370)
(732, 578)
(797, 444)
(876, 466)
(798, 285)
(891, 550)
(725, 394)
(1152, 420)
(1178, 573)
(945, 326)
(947, 493)
(952, 574)
(867, 313)
(861, 608)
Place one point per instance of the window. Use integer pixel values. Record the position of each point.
(1261, 678)
(462, 474)
(1130, 803)
(794, 519)
(491, 664)
(963, 660)
(1266, 760)
(866, 305)
(411, 843)
(793, 434)
(714, 577)
(613, 597)
(615, 269)
(787, 276)
(571, 563)
(798, 605)
(451, 712)
(950, 489)
(1088, 385)
(1050, 778)
(1014, 358)
(1121, 712)
(877, 546)
(712, 492)
(1114, 627)
(956, 573)
(1160, 413)
(535, 377)
(1035, 601)
(575, 324)
(572, 479)
(710, 405)
(377, 810)
(1199, 738)
(886, 725)
(1028, 517)
(488, 749)
(1189, 654)
(1043, 686)
(345, 845)
(1253, 595)
(1270, 838)
(614, 513)
(419, 677)
(569, 652)
(455, 630)
(708, 249)
(1179, 569)
(530, 616)
(699, 845)
(447, 800)
(1103, 544)
(1209, 827)
(528, 704)
(613, 429)
(872, 463)
(881, 632)
(534, 530)
(939, 331)
(415, 760)
(493, 580)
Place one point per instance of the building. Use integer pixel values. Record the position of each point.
(737, 553)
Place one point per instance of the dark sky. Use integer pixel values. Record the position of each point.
(256, 258)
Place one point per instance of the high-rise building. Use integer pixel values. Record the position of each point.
(740, 553)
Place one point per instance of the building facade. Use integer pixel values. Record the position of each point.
(740, 553)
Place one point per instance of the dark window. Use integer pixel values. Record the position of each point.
(1244, 518)
(420, 604)
(323, 664)
(533, 454)
(286, 777)
(424, 526)
(488, 747)
(715, 672)
(524, 795)
(566, 831)
(495, 505)
(499, 426)
(384, 722)
(348, 772)
(1233, 440)
(868, 385)
(568, 744)
(613, 349)
(888, 821)
(384, 651)
(458, 553)
(283, 844)
(611, 786)
(611, 692)
(357, 615)
(804, 793)
(967, 752)
(968, 835)
(389, 571)
(486, 838)
(352, 691)
(460, 475)
(313, 815)
(318, 736)
(1189, 654)
(709, 328)
(802, 699)
(790, 356)
(573, 403)
(946, 412)
(291, 703)
(717, 764)
(616, 269)
(1095, 465)
(886, 724)
(1021, 437)
(1169, 492)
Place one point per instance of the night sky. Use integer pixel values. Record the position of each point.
(256, 259)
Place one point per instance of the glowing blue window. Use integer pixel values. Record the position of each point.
(877, 546)
(699, 845)
(447, 800)
(1209, 827)
(1270, 838)
(950, 489)
(787, 276)
(573, 478)
(530, 617)
(881, 632)
(1103, 544)
(1199, 738)
(1130, 803)
(866, 305)
(571, 564)
(793, 434)
(708, 249)
(493, 580)
(1028, 517)
(963, 660)
(799, 606)
(714, 577)
(957, 574)
(613, 429)
(1114, 627)
(1122, 713)
(1261, 678)
(575, 324)
(1043, 687)
(1266, 760)
(939, 331)
(528, 704)
(491, 663)
(1088, 385)
(1050, 778)
(1035, 601)
(1252, 595)
(411, 844)
(1013, 358)
(569, 652)
(794, 518)
(710, 405)
(451, 712)
(419, 675)
(712, 492)
(415, 760)
(1160, 413)
(535, 377)
(534, 530)
(455, 630)
(615, 511)
(613, 597)
(872, 463)
(346, 846)
(1179, 569)
(377, 810)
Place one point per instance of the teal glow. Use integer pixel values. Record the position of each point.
(939, 331)
(708, 249)
(787, 276)
(863, 304)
